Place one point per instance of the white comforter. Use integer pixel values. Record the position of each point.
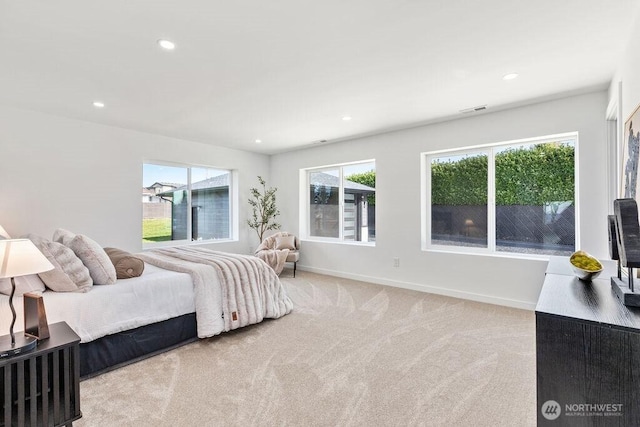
(202, 281)
(155, 296)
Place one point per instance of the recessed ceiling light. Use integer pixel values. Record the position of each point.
(346, 118)
(98, 104)
(166, 44)
(258, 141)
(510, 76)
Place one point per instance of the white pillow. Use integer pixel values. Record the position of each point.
(30, 283)
(3, 234)
(63, 236)
(95, 259)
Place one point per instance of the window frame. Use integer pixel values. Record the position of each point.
(490, 150)
(305, 223)
(233, 206)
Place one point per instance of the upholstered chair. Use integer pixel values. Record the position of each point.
(294, 255)
(283, 243)
(280, 241)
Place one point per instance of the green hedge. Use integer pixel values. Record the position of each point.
(463, 182)
(524, 176)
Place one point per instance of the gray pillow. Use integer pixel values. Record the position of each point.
(95, 259)
(69, 273)
(63, 236)
(3, 234)
(30, 283)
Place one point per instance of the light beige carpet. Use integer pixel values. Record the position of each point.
(351, 354)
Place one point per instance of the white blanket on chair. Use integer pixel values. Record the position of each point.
(268, 252)
(249, 289)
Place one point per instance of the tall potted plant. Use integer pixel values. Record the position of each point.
(264, 209)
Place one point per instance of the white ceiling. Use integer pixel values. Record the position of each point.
(287, 71)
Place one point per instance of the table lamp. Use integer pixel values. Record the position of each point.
(19, 257)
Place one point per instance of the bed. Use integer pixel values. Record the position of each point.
(176, 301)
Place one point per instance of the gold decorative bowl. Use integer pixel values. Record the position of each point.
(585, 266)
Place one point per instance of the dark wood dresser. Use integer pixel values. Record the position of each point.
(42, 387)
(587, 351)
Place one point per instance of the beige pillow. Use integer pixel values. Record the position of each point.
(63, 236)
(30, 283)
(126, 264)
(95, 259)
(286, 242)
(3, 234)
(69, 273)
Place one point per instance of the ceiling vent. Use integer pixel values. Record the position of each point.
(474, 109)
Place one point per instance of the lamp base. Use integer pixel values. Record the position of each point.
(23, 344)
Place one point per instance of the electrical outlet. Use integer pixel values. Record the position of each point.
(396, 262)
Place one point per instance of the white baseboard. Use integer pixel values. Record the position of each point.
(424, 288)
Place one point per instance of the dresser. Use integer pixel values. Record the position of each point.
(587, 351)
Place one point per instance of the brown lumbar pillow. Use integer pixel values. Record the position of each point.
(127, 265)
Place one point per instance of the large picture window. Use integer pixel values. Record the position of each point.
(185, 203)
(341, 202)
(514, 197)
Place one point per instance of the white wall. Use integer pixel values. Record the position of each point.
(57, 172)
(496, 279)
(628, 72)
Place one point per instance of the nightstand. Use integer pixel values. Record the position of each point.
(42, 387)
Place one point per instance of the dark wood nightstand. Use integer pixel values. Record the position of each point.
(588, 351)
(42, 387)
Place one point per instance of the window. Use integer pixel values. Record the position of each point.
(185, 203)
(513, 197)
(341, 202)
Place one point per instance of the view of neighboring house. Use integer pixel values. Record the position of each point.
(209, 208)
(156, 211)
(359, 221)
(151, 194)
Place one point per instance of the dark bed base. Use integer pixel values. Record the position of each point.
(113, 351)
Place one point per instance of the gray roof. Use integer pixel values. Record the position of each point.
(215, 182)
(165, 184)
(321, 178)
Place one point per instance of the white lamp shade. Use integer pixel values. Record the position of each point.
(21, 257)
(4, 234)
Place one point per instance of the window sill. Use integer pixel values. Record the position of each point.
(176, 243)
(339, 242)
(511, 255)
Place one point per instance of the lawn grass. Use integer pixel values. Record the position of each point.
(156, 229)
